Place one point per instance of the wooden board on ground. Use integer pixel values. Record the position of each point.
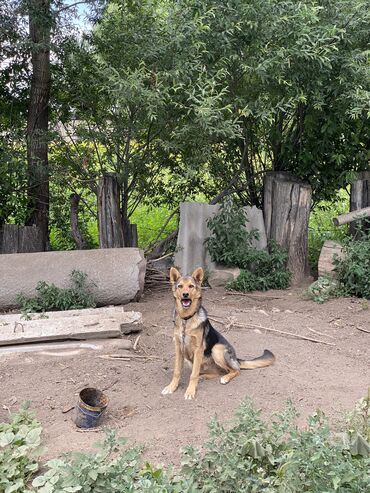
(15, 330)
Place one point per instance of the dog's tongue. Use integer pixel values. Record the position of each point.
(186, 303)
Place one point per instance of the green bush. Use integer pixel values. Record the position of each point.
(19, 446)
(353, 270)
(50, 297)
(231, 244)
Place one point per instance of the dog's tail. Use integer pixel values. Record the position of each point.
(266, 359)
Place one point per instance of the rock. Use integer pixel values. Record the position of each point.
(220, 276)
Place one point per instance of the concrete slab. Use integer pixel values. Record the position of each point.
(118, 273)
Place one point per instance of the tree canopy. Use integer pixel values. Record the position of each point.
(189, 97)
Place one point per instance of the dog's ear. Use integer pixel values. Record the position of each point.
(174, 275)
(198, 275)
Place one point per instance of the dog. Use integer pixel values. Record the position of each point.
(198, 342)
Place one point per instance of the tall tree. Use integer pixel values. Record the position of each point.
(40, 23)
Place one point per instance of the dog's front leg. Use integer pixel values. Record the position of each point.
(179, 361)
(194, 377)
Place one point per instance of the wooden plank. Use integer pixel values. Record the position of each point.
(66, 328)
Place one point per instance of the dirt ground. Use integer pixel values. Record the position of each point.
(312, 375)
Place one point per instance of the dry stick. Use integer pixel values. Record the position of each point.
(363, 330)
(136, 342)
(251, 326)
(320, 333)
(128, 356)
(255, 295)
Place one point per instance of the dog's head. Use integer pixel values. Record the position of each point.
(187, 291)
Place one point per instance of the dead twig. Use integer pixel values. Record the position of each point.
(111, 385)
(136, 342)
(124, 357)
(254, 295)
(320, 333)
(363, 330)
(283, 332)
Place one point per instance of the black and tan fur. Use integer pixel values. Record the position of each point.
(197, 342)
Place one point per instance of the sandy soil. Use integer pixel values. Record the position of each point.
(312, 375)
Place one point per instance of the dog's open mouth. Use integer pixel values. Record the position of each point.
(186, 302)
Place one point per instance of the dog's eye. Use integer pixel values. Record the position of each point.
(180, 286)
(191, 286)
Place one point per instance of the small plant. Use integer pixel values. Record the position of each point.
(353, 270)
(232, 245)
(19, 447)
(50, 297)
(322, 289)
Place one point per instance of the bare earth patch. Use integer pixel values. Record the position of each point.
(312, 375)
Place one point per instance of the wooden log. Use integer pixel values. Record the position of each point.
(287, 203)
(326, 263)
(360, 199)
(109, 214)
(351, 216)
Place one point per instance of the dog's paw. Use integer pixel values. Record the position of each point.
(224, 380)
(169, 389)
(189, 395)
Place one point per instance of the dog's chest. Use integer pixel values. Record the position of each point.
(189, 335)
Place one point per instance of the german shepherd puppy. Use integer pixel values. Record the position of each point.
(206, 350)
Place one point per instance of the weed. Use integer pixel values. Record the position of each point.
(322, 289)
(19, 447)
(247, 456)
(50, 297)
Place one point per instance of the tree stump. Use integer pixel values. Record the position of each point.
(287, 203)
(329, 250)
(359, 199)
(109, 214)
(20, 239)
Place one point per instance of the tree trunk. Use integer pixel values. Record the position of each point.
(20, 239)
(287, 203)
(76, 232)
(359, 199)
(109, 214)
(38, 118)
(129, 233)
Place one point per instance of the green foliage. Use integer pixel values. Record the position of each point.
(353, 270)
(19, 447)
(322, 289)
(231, 244)
(247, 456)
(50, 297)
(230, 241)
